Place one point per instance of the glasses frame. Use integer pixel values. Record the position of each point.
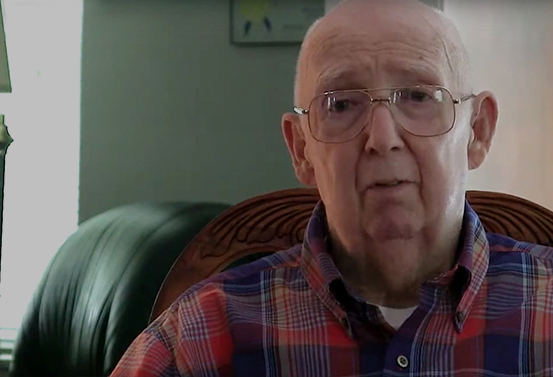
(456, 101)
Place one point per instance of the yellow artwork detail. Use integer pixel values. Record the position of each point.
(254, 10)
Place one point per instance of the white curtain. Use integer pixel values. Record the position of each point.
(43, 39)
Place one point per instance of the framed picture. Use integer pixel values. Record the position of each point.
(272, 21)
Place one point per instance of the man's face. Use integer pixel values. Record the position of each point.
(356, 179)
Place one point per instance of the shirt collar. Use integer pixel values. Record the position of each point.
(317, 265)
(464, 280)
(473, 262)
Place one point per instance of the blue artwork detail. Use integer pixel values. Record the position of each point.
(247, 27)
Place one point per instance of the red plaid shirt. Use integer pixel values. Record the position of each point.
(289, 314)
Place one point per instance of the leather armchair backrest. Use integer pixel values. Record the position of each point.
(98, 291)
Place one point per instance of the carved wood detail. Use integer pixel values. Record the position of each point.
(276, 221)
(512, 216)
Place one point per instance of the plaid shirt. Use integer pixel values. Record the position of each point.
(289, 314)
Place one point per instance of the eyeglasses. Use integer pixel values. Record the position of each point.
(341, 115)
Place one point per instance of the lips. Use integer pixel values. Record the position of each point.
(387, 183)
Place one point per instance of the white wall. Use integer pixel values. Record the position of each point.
(511, 47)
(172, 111)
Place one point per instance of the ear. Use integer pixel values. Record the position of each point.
(483, 124)
(297, 146)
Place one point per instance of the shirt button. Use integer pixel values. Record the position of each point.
(402, 361)
(459, 316)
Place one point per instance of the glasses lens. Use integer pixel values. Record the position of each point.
(424, 111)
(341, 115)
(338, 116)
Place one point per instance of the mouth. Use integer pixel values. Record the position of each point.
(390, 187)
(388, 184)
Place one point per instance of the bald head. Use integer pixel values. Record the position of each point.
(387, 17)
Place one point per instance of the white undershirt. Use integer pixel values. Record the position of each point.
(396, 317)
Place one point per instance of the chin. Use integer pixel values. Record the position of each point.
(387, 226)
(391, 233)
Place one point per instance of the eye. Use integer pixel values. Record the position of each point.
(338, 105)
(414, 95)
(342, 102)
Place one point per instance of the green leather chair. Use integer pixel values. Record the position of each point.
(97, 293)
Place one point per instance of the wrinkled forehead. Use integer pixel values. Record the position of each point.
(360, 52)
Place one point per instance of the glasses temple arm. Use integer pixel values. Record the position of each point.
(463, 99)
(300, 110)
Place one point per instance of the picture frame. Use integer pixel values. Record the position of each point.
(272, 21)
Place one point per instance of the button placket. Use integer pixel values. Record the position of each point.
(347, 325)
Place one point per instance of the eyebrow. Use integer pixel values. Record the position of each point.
(344, 77)
(349, 78)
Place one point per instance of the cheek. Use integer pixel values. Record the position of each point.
(443, 172)
(335, 171)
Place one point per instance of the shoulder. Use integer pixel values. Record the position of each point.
(245, 281)
(282, 262)
(207, 311)
(506, 250)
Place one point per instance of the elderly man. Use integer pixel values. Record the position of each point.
(396, 275)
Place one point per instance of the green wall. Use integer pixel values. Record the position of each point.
(172, 111)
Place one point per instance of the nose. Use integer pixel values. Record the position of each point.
(383, 134)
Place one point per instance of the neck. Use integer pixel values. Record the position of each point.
(390, 273)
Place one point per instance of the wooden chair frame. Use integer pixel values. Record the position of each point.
(277, 221)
